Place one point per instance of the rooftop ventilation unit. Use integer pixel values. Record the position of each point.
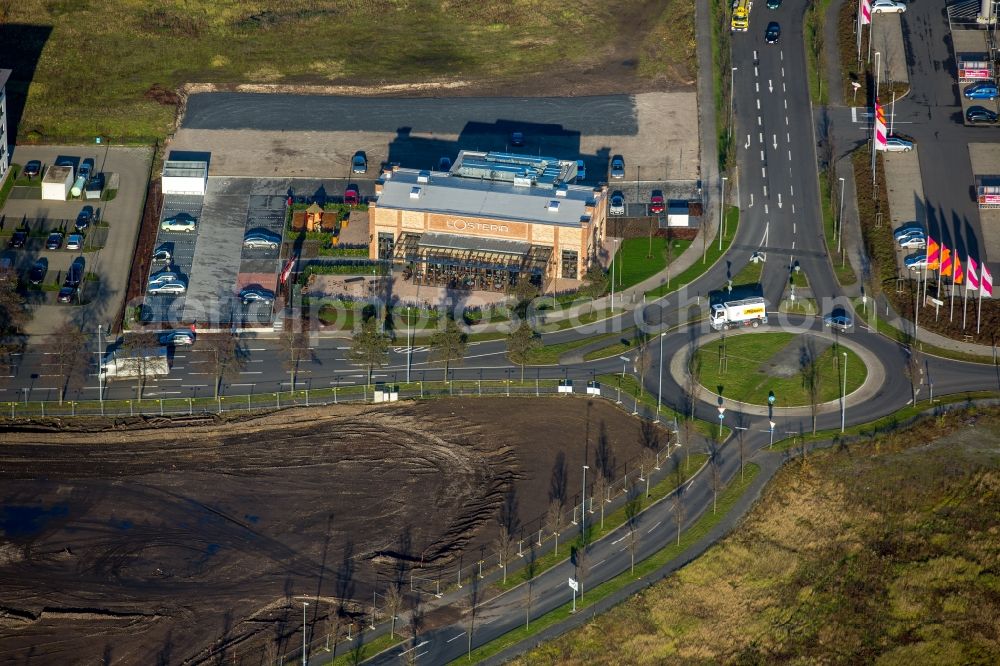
(553, 206)
(424, 177)
(415, 192)
(522, 181)
(562, 190)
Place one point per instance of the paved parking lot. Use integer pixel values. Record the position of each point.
(108, 251)
(316, 135)
(181, 245)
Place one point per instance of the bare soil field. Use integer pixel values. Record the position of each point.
(157, 541)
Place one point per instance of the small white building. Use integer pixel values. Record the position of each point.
(57, 182)
(678, 213)
(185, 177)
(4, 139)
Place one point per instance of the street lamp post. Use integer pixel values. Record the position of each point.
(722, 211)
(305, 659)
(659, 387)
(843, 396)
(732, 80)
(840, 217)
(583, 506)
(770, 416)
(100, 375)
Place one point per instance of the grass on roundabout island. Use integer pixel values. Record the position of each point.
(745, 377)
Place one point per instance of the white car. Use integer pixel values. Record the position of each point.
(186, 224)
(163, 277)
(896, 145)
(167, 288)
(880, 6)
(617, 204)
(913, 243)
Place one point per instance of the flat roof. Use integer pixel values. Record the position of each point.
(57, 174)
(4, 77)
(450, 194)
(178, 169)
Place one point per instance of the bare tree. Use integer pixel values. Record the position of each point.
(811, 380)
(643, 361)
(295, 348)
(228, 357)
(677, 500)
(715, 465)
(633, 506)
(474, 593)
(530, 570)
(911, 369)
(370, 346)
(136, 355)
(649, 440)
(508, 524)
(66, 349)
(521, 342)
(558, 490)
(447, 345)
(393, 602)
(741, 427)
(580, 558)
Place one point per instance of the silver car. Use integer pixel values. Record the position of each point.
(617, 204)
(167, 288)
(185, 224)
(163, 277)
(259, 241)
(618, 167)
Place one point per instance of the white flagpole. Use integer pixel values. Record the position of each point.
(951, 307)
(859, 29)
(892, 112)
(965, 301)
(979, 309)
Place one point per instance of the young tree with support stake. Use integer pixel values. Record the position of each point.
(294, 348)
(228, 357)
(633, 507)
(135, 357)
(64, 346)
(521, 342)
(370, 346)
(677, 500)
(447, 345)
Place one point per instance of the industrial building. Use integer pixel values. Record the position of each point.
(490, 221)
(4, 139)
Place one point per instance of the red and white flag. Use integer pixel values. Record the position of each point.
(287, 270)
(865, 11)
(880, 133)
(986, 281)
(972, 276)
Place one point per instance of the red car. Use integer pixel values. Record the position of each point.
(352, 197)
(656, 203)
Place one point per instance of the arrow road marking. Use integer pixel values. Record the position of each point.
(774, 139)
(751, 201)
(748, 142)
(779, 199)
(770, 86)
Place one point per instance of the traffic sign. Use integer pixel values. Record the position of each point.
(772, 423)
(574, 584)
(770, 397)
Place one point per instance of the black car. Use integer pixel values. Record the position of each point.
(32, 169)
(980, 114)
(517, 139)
(54, 241)
(38, 271)
(75, 273)
(359, 163)
(256, 294)
(772, 33)
(66, 294)
(19, 238)
(84, 218)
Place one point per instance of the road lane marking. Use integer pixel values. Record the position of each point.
(794, 228)
(781, 54)
(782, 72)
(789, 155)
(779, 199)
(774, 141)
(759, 123)
(763, 172)
(751, 201)
(760, 137)
(622, 538)
(762, 156)
(194, 385)
(455, 637)
(748, 142)
(758, 104)
(757, 84)
(770, 86)
(788, 137)
(597, 565)
(765, 209)
(251, 372)
(765, 190)
(783, 89)
(654, 526)
(786, 104)
(786, 120)
(791, 189)
(793, 209)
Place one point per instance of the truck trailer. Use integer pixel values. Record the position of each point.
(745, 312)
(144, 363)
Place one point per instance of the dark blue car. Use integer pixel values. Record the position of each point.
(981, 90)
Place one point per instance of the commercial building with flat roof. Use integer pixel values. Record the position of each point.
(4, 139)
(492, 220)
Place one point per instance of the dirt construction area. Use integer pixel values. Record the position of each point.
(186, 541)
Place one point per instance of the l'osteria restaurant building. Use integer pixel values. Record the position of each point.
(490, 221)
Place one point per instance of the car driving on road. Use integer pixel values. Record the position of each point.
(980, 114)
(179, 223)
(772, 33)
(981, 90)
(773, 4)
(839, 320)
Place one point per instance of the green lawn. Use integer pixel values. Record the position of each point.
(841, 267)
(138, 53)
(711, 254)
(8, 184)
(749, 274)
(636, 260)
(744, 378)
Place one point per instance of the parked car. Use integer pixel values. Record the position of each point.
(916, 261)
(38, 271)
(773, 4)
(772, 32)
(258, 240)
(256, 294)
(164, 277)
(581, 171)
(617, 204)
(980, 114)
(179, 338)
(74, 276)
(19, 238)
(167, 288)
(74, 241)
(86, 170)
(656, 205)
(894, 144)
(887, 6)
(617, 167)
(84, 218)
(517, 139)
(444, 164)
(54, 241)
(179, 223)
(913, 243)
(32, 169)
(359, 163)
(908, 228)
(839, 321)
(162, 256)
(981, 90)
(907, 235)
(66, 294)
(352, 196)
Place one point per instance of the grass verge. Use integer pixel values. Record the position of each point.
(8, 184)
(638, 259)
(710, 255)
(841, 267)
(700, 529)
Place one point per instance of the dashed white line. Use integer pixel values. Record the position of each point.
(783, 89)
(789, 155)
(758, 104)
(793, 245)
(781, 54)
(765, 190)
(762, 156)
(757, 85)
(786, 120)
(782, 72)
(788, 137)
(622, 538)
(791, 190)
(760, 137)
(793, 209)
(654, 526)
(763, 172)
(794, 227)
(759, 123)
(755, 70)
(765, 209)
(455, 637)
(594, 566)
(786, 104)
(779, 199)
